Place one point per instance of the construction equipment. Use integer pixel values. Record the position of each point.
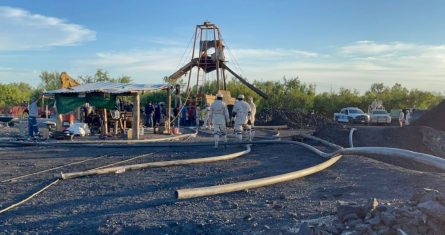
(210, 42)
(66, 81)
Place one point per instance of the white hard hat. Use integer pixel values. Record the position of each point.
(219, 95)
(241, 97)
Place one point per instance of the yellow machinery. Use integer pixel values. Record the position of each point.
(66, 81)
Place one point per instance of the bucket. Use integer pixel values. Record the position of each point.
(23, 128)
(44, 132)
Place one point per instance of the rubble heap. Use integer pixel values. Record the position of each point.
(433, 118)
(293, 118)
(423, 214)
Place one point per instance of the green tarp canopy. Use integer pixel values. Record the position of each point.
(66, 103)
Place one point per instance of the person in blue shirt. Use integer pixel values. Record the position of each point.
(184, 115)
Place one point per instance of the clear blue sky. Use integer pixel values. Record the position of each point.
(332, 44)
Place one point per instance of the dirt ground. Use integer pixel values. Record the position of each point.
(143, 202)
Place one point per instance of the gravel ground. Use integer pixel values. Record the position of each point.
(143, 201)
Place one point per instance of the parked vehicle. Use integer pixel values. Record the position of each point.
(351, 115)
(379, 116)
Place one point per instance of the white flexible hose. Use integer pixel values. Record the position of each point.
(351, 133)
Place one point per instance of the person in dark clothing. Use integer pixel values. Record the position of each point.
(149, 110)
(157, 115)
(176, 116)
(184, 116)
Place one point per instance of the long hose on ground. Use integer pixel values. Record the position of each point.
(427, 159)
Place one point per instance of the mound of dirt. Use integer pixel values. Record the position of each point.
(434, 118)
(415, 138)
(292, 118)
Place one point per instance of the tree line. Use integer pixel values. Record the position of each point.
(283, 94)
(294, 94)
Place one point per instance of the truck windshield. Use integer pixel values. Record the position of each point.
(355, 111)
(379, 112)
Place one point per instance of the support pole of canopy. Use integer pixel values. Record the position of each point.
(136, 116)
(105, 126)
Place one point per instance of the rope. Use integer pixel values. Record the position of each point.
(29, 198)
(187, 48)
(127, 160)
(50, 169)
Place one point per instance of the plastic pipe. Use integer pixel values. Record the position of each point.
(325, 142)
(351, 133)
(404, 154)
(272, 127)
(333, 157)
(120, 169)
(256, 183)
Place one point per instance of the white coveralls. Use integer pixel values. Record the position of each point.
(219, 116)
(401, 118)
(242, 110)
(252, 118)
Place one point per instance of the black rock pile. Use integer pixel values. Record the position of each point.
(423, 214)
(293, 118)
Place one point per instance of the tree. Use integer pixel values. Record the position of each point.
(49, 80)
(103, 76)
(14, 93)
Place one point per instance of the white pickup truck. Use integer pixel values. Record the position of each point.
(351, 115)
(380, 116)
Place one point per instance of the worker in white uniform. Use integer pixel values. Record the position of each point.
(242, 113)
(219, 116)
(252, 117)
(401, 118)
(407, 117)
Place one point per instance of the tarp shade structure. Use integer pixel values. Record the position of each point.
(66, 103)
(108, 87)
(100, 94)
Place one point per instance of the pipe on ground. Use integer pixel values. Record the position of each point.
(272, 127)
(426, 159)
(256, 183)
(403, 154)
(98, 142)
(121, 169)
(351, 133)
(325, 142)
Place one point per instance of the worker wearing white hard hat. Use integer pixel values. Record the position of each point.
(242, 113)
(219, 116)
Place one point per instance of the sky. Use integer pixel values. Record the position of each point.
(331, 44)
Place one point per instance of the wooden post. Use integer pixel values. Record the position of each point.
(59, 122)
(136, 116)
(169, 109)
(105, 127)
(43, 104)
